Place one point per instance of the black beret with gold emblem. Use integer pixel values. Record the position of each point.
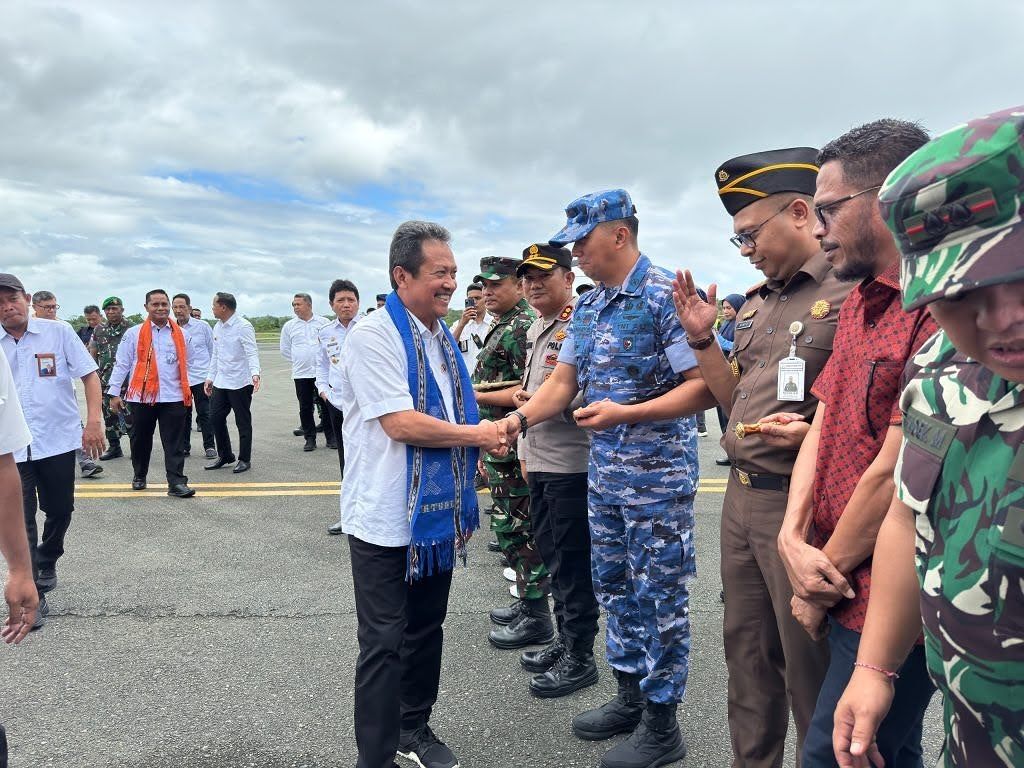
(544, 256)
(748, 178)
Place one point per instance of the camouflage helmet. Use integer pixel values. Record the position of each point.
(954, 207)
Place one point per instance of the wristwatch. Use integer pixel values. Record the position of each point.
(701, 343)
(522, 421)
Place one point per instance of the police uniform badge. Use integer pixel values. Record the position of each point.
(723, 175)
(748, 315)
(820, 309)
(551, 359)
(560, 336)
(534, 250)
(566, 313)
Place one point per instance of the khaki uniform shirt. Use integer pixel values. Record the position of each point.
(556, 445)
(813, 297)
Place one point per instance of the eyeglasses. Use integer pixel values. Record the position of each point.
(821, 210)
(741, 239)
(47, 307)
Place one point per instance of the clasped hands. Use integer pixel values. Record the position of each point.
(817, 584)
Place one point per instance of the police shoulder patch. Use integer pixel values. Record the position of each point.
(566, 313)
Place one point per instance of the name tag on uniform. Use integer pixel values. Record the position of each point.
(792, 371)
(928, 433)
(744, 325)
(46, 364)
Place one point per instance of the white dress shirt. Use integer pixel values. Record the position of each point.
(375, 382)
(165, 355)
(473, 332)
(14, 434)
(236, 358)
(299, 344)
(44, 362)
(331, 340)
(199, 348)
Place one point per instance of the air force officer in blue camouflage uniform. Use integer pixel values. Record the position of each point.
(628, 355)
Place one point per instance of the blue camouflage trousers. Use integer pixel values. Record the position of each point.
(642, 560)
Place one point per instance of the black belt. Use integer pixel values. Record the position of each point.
(763, 481)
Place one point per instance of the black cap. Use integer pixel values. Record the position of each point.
(544, 256)
(10, 281)
(382, 297)
(749, 178)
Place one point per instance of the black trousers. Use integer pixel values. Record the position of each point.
(558, 513)
(201, 408)
(47, 484)
(335, 419)
(223, 402)
(305, 391)
(174, 422)
(400, 640)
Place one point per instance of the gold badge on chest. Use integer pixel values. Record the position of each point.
(820, 309)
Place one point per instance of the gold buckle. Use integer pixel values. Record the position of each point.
(743, 476)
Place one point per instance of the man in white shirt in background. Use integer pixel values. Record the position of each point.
(19, 590)
(344, 298)
(153, 360)
(299, 347)
(199, 344)
(233, 378)
(471, 330)
(45, 356)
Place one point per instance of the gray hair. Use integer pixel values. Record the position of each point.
(42, 296)
(407, 245)
(869, 152)
(305, 297)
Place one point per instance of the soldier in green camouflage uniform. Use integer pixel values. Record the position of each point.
(503, 359)
(954, 208)
(103, 347)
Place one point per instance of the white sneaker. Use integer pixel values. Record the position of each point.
(509, 574)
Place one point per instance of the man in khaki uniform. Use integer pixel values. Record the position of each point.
(783, 339)
(556, 453)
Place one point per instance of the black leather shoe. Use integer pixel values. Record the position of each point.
(138, 483)
(533, 627)
(723, 461)
(309, 446)
(181, 490)
(332, 444)
(505, 616)
(544, 659)
(220, 462)
(47, 578)
(335, 530)
(298, 432)
(242, 466)
(570, 673)
(113, 452)
(493, 546)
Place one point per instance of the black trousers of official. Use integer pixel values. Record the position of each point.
(400, 640)
(174, 422)
(223, 402)
(305, 391)
(558, 513)
(47, 484)
(336, 421)
(201, 408)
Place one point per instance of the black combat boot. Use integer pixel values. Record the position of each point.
(573, 671)
(113, 451)
(544, 659)
(656, 741)
(505, 616)
(533, 627)
(620, 715)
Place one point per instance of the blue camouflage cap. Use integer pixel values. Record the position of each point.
(585, 213)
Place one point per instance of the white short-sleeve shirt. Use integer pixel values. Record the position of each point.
(14, 434)
(44, 362)
(375, 382)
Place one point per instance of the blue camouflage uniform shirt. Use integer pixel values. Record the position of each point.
(627, 346)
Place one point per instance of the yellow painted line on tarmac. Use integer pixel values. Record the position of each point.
(209, 494)
(88, 487)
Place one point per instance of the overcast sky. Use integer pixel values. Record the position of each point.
(265, 148)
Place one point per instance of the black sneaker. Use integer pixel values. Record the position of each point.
(426, 750)
(47, 578)
(41, 613)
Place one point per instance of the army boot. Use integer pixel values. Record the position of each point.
(574, 670)
(656, 741)
(544, 659)
(113, 451)
(533, 627)
(620, 715)
(505, 616)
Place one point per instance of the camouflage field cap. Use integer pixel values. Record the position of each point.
(954, 207)
(497, 268)
(585, 213)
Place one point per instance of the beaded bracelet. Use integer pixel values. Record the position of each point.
(872, 667)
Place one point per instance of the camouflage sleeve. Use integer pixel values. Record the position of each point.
(924, 329)
(517, 352)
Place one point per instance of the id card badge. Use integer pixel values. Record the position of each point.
(791, 379)
(46, 365)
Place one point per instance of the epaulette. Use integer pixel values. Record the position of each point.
(566, 313)
(751, 291)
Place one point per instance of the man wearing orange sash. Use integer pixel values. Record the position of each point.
(153, 358)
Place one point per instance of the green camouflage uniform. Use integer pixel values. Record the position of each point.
(503, 358)
(105, 340)
(954, 209)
